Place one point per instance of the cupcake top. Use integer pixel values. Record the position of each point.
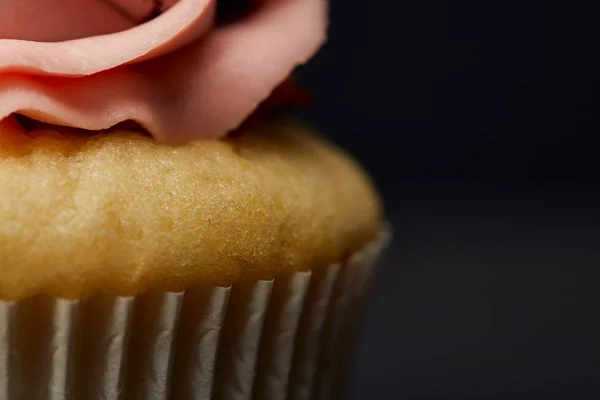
(178, 68)
(87, 205)
(119, 213)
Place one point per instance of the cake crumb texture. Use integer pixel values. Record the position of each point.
(121, 214)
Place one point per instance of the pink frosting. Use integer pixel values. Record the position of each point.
(92, 64)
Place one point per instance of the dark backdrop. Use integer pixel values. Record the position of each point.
(477, 121)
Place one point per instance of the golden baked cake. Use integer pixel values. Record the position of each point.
(117, 212)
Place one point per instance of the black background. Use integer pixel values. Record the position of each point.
(477, 120)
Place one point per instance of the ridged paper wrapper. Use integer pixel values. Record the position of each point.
(287, 338)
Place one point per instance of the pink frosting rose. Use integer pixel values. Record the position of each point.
(167, 65)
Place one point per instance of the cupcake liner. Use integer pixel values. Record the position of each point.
(345, 320)
(288, 338)
(279, 336)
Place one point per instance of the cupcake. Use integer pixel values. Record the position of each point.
(167, 233)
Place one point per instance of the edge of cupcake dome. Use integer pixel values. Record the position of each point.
(119, 214)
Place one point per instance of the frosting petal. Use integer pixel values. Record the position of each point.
(202, 90)
(178, 26)
(37, 20)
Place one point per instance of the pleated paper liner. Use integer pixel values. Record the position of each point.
(290, 338)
